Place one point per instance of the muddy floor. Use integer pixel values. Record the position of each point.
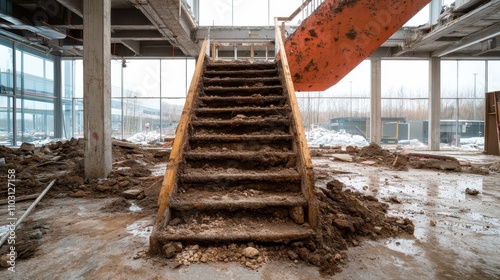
(456, 234)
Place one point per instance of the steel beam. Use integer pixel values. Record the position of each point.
(475, 38)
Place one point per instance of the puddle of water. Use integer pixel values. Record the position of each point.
(404, 246)
(4, 230)
(134, 208)
(140, 228)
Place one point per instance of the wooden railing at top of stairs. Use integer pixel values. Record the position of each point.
(169, 184)
(305, 163)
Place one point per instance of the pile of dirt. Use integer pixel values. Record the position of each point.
(28, 239)
(35, 167)
(346, 219)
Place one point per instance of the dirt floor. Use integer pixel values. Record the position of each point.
(88, 230)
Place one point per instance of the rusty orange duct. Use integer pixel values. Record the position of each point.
(341, 34)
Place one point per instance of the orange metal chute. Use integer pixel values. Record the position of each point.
(339, 35)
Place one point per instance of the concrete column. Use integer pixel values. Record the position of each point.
(434, 103)
(58, 115)
(97, 87)
(376, 101)
(435, 10)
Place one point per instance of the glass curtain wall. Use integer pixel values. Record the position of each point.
(148, 96)
(26, 94)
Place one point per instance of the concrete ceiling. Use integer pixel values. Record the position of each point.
(153, 28)
(150, 28)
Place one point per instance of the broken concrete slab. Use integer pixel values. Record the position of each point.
(342, 157)
(154, 190)
(131, 194)
(27, 147)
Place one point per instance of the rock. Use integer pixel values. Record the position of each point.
(4, 261)
(400, 222)
(153, 190)
(315, 259)
(355, 242)
(36, 234)
(79, 194)
(292, 255)
(377, 229)
(297, 214)
(250, 252)
(350, 149)
(471, 191)
(27, 147)
(131, 194)
(178, 247)
(204, 258)
(123, 184)
(103, 188)
(304, 253)
(338, 257)
(341, 223)
(2, 162)
(169, 250)
(432, 223)
(342, 157)
(400, 160)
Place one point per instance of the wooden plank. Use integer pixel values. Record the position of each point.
(169, 182)
(305, 163)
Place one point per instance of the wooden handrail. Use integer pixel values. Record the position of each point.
(305, 162)
(169, 185)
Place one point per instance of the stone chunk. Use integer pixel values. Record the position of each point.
(250, 252)
(131, 194)
(27, 147)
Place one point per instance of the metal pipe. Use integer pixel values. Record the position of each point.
(32, 206)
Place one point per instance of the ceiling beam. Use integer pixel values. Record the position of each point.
(76, 6)
(134, 46)
(475, 38)
(482, 12)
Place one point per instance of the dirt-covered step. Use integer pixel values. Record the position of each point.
(240, 143)
(192, 175)
(230, 101)
(264, 138)
(241, 74)
(231, 112)
(238, 66)
(248, 199)
(241, 82)
(275, 90)
(231, 186)
(242, 120)
(242, 160)
(232, 228)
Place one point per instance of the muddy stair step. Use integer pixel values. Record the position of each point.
(241, 74)
(241, 82)
(240, 66)
(275, 90)
(229, 101)
(248, 199)
(257, 122)
(200, 175)
(229, 113)
(233, 229)
(247, 160)
(238, 143)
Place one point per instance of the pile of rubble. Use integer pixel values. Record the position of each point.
(35, 167)
(346, 219)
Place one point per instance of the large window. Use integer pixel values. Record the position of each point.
(147, 97)
(26, 94)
